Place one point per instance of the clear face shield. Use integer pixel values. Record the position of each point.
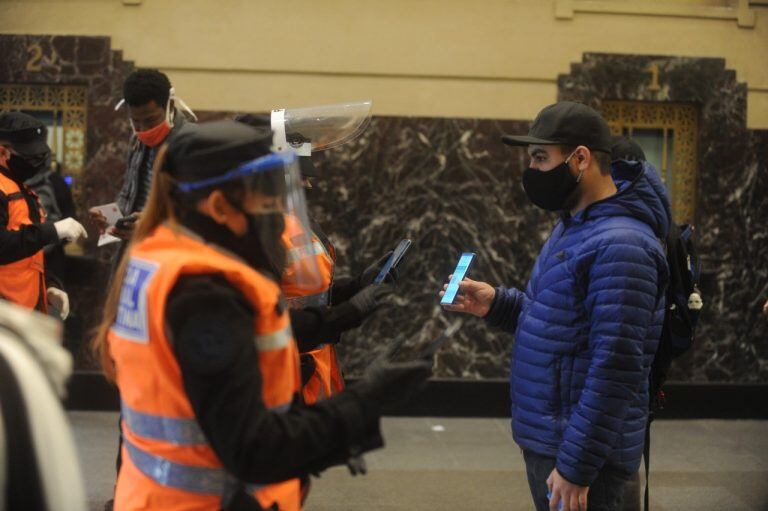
(316, 128)
(274, 202)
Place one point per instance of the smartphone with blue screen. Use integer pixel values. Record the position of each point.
(465, 261)
(393, 261)
(559, 504)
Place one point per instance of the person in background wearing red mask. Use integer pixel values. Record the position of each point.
(151, 104)
(152, 111)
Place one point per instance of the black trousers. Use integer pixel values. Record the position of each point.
(605, 494)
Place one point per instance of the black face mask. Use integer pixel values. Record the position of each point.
(22, 168)
(265, 243)
(550, 189)
(257, 247)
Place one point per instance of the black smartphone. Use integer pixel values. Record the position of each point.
(435, 345)
(465, 261)
(126, 222)
(393, 260)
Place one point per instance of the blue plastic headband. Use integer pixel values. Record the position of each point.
(260, 164)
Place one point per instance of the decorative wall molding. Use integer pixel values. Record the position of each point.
(682, 120)
(738, 10)
(67, 103)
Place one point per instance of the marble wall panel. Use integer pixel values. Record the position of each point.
(450, 186)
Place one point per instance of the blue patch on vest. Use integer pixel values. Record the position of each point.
(132, 321)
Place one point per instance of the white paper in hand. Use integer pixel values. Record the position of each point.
(113, 214)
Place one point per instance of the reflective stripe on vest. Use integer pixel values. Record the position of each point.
(298, 253)
(315, 300)
(275, 340)
(171, 429)
(210, 481)
(168, 429)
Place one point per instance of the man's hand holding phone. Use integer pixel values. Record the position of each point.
(123, 228)
(473, 297)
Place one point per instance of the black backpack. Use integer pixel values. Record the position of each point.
(42, 186)
(684, 306)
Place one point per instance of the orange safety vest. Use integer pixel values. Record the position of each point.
(327, 379)
(23, 281)
(168, 463)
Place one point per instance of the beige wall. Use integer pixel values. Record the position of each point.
(489, 58)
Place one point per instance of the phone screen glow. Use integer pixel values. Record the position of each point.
(393, 260)
(458, 275)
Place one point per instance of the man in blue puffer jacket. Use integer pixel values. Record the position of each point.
(588, 324)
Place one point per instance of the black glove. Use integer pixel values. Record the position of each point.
(369, 274)
(370, 298)
(357, 465)
(389, 383)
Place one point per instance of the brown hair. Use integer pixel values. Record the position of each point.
(159, 209)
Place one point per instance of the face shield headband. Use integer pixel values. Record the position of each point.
(243, 172)
(172, 97)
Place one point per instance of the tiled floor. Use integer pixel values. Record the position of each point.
(472, 464)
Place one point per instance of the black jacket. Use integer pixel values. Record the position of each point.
(313, 326)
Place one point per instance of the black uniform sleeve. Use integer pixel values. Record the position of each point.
(211, 327)
(16, 245)
(317, 325)
(52, 265)
(343, 289)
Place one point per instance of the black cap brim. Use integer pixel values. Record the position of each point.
(525, 140)
(307, 167)
(31, 148)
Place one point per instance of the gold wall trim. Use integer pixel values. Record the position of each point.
(737, 10)
(682, 119)
(67, 103)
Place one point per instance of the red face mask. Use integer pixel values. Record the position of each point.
(154, 136)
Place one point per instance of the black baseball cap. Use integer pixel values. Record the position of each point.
(27, 135)
(566, 123)
(205, 150)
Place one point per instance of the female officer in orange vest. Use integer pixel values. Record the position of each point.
(23, 231)
(200, 345)
(321, 313)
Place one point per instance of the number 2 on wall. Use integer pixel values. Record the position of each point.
(36, 55)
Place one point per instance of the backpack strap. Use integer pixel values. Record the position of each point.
(15, 196)
(647, 460)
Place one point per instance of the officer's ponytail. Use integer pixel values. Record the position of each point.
(159, 209)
